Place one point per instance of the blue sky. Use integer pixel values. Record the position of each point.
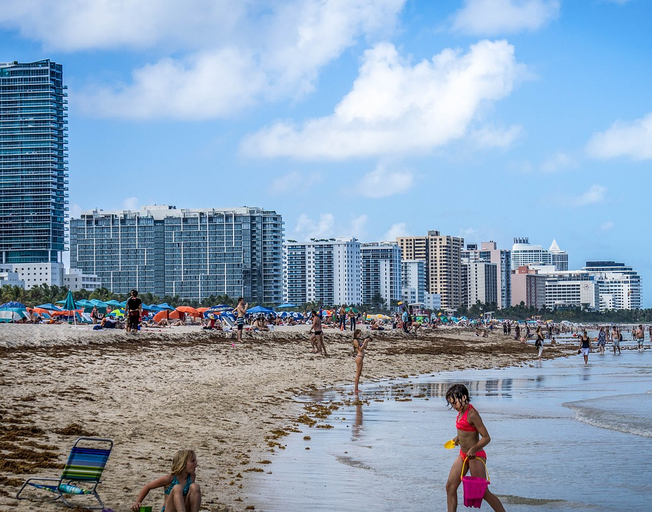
(486, 119)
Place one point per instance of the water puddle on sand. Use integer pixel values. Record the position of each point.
(384, 451)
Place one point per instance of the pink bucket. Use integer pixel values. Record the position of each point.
(474, 488)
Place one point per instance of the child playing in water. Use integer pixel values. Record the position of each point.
(358, 349)
(472, 437)
(182, 494)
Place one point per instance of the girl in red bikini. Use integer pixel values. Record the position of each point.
(472, 437)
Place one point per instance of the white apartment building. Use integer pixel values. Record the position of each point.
(326, 271)
(481, 282)
(432, 301)
(380, 272)
(76, 280)
(558, 257)
(502, 258)
(524, 253)
(413, 282)
(619, 286)
(575, 288)
(34, 274)
(8, 277)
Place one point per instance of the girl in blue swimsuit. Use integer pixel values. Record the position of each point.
(182, 494)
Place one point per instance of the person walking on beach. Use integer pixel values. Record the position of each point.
(517, 332)
(539, 342)
(359, 347)
(134, 311)
(317, 338)
(602, 340)
(617, 337)
(640, 337)
(472, 437)
(182, 494)
(585, 347)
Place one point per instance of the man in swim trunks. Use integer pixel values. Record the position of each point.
(240, 312)
(317, 339)
(134, 311)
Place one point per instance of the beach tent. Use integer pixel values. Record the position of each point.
(12, 314)
(13, 304)
(259, 309)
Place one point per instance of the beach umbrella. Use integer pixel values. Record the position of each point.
(69, 305)
(351, 309)
(165, 305)
(166, 314)
(49, 306)
(151, 308)
(287, 305)
(112, 302)
(188, 310)
(12, 304)
(116, 313)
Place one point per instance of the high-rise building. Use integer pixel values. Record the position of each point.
(192, 253)
(33, 162)
(323, 270)
(528, 287)
(571, 289)
(619, 286)
(380, 272)
(482, 282)
(502, 258)
(558, 257)
(443, 264)
(524, 253)
(413, 281)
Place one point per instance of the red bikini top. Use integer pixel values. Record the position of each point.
(461, 423)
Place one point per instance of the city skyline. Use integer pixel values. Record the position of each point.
(372, 119)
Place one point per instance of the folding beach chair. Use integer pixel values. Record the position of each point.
(81, 474)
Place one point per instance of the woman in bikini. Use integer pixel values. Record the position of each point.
(182, 494)
(472, 437)
(358, 349)
(317, 339)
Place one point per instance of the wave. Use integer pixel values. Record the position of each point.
(629, 414)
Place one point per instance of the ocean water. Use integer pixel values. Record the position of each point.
(565, 436)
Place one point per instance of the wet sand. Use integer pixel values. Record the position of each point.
(164, 389)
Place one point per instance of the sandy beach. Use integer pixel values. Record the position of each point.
(165, 389)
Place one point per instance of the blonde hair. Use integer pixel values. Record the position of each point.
(180, 460)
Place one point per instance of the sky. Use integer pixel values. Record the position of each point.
(485, 119)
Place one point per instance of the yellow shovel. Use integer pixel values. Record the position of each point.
(449, 444)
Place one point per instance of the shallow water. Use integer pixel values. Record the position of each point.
(565, 436)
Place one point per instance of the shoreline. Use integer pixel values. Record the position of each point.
(156, 392)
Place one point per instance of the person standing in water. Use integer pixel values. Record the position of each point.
(359, 348)
(472, 437)
(585, 347)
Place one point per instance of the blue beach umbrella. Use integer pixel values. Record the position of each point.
(12, 304)
(50, 307)
(287, 305)
(165, 305)
(113, 302)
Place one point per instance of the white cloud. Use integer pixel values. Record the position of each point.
(131, 203)
(398, 108)
(292, 180)
(358, 226)
(558, 162)
(494, 17)
(633, 140)
(75, 211)
(308, 228)
(217, 56)
(607, 226)
(384, 183)
(468, 232)
(594, 195)
(396, 230)
(492, 137)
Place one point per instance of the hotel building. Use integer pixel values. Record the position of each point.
(380, 272)
(190, 253)
(442, 255)
(413, 281)
(619, 286)
(325, 270)
(33, 162)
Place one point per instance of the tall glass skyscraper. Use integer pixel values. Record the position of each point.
(33, 165)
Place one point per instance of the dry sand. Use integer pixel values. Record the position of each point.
(164, 389)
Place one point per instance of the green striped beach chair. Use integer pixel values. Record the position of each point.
(81, 474)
